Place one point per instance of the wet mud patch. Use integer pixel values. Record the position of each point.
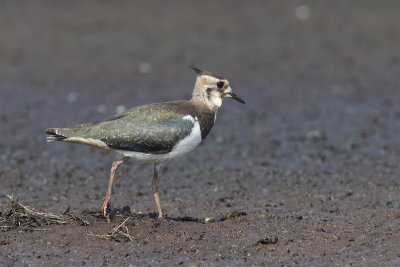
(245, 237)
(18, 216)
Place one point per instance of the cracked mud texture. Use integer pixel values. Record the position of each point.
(312, 159)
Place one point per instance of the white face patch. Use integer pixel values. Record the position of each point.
(216, 99)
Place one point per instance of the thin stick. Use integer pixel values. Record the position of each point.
(118, 231)
(119, 226)
(49, 216)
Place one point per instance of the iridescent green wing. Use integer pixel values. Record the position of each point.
(154, 129)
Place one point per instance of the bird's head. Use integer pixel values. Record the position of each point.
(211, 88)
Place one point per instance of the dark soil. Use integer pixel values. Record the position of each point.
(306, 172)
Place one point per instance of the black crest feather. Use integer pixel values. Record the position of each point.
(196, 69)
(200, 72)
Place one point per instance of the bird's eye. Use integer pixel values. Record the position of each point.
(220, 84)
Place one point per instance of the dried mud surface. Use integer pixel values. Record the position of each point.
(306, 172)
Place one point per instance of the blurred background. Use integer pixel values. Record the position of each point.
(308, 70)
(320, 80)
(325, 70)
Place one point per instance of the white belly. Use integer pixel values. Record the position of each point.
(183, 147)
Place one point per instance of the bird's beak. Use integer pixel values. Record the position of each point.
(234, 96)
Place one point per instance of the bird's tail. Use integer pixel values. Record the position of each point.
(80, 134)
(54, 135)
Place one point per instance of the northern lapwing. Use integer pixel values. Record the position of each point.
(154, 133)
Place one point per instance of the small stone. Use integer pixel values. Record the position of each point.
(268, 240)
(314, 134)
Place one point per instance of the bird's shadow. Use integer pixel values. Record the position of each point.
(126, 212)
(185, 219)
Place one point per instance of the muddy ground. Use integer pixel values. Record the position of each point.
(306, 172)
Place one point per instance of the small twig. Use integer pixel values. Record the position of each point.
(47, 217)
(117, 230)
(127, 235)
(119, 226)
(37, 213)
(67, 210)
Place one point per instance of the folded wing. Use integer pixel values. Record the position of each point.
(147, 129)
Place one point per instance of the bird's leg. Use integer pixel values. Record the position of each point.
(106, 200)
(155, 191)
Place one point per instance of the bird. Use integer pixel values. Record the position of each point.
(154, 133)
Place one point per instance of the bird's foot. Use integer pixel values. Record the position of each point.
(161, 217)
(106, 208)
